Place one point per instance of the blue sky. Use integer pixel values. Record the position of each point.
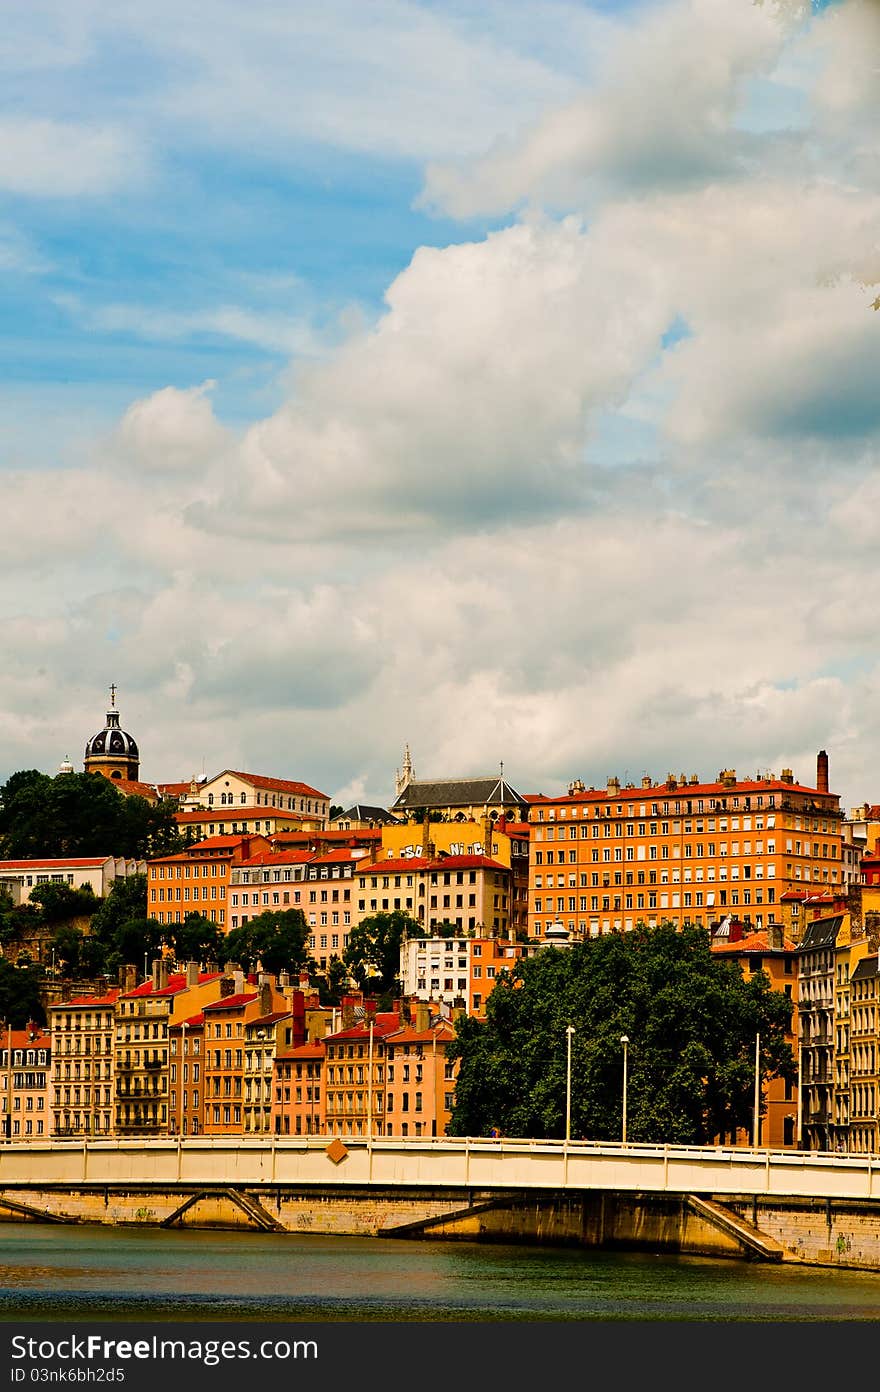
(435, 372)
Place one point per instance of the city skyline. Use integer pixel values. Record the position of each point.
(494, 379)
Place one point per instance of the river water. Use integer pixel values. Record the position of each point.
(55, 1272)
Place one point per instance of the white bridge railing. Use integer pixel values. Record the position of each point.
(486, 1165)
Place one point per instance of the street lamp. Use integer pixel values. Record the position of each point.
(569, 1031)
(624, 1039)
(756, 1119)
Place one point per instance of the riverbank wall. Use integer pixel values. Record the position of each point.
(818, 1232)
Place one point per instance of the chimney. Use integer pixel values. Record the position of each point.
(129, 978)
(227, 987)
(423, 1016)
(670, 780)
(265, 997)
(774, 937)
(822, 771)
(613, 786)
(157, 973)
(786, 776)
(576, 786)
(192, 973)
(646, 781)
(238, 981)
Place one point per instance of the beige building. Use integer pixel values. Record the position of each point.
(98, 873)
(82, 1065)
(260, 794)
(143, 1017)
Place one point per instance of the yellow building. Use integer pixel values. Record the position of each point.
(775, 955)
(143, 1017)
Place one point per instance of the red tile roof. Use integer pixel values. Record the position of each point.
(681, 790)
(303, 1051)
(754, 942)
(231, 1002)
(272, 1019)
(22, 1039)
(410, 1035)
(231, 814)
(109, 998)
(273, 785)
(81, 861)
(132, 787)
(176, 983)
(193, 1022)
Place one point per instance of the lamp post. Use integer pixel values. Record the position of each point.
(756, 1120)
(7, 1120)
(624, 1039)
(569, 1031)
(182, 1066)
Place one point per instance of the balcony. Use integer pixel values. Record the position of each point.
(153, 1063)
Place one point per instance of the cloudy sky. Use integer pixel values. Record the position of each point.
(496, 376)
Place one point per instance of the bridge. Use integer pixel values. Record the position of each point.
(775, 1205)
(466, 1163)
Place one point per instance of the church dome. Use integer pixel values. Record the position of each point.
(112, 742)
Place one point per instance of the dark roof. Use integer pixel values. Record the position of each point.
(361, 813)
(459, 792)
(866, 967)
(822, 932)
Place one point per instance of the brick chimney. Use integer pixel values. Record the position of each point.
(157, 973)
(423, 1016)
(128, 977)
(265, 997)
(822, 771)
(192, 973)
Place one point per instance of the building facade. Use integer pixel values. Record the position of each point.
(683, 851)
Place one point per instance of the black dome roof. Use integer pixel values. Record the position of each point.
(112, 742)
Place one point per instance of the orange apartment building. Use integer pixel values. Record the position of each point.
(776, 956)
(186, 1094)
(196, 880)
(297, 1090)
(25, 1067)
(419, 1079)
(263, 1037)
(82, 1029)
(681, 851)
(354, 1081)
(239, 1003)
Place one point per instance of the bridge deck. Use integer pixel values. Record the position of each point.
(442, 1163)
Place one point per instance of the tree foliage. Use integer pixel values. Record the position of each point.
(80, 814)
(275, 940)
(59, 903)
(691, 1019)
(20, 999)
(196, 939)
(374, 947)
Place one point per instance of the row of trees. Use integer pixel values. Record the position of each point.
(690, 1016)
(80, 814)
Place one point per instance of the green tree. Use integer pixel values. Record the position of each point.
(196, 939)
(80, 814)
(690, 1016)
(276, 941)
(332, 983)
(374, 947)
(60, 902)
(127, 899)
(20, 999)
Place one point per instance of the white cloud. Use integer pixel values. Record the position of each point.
(55, 159)
(660, 116)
